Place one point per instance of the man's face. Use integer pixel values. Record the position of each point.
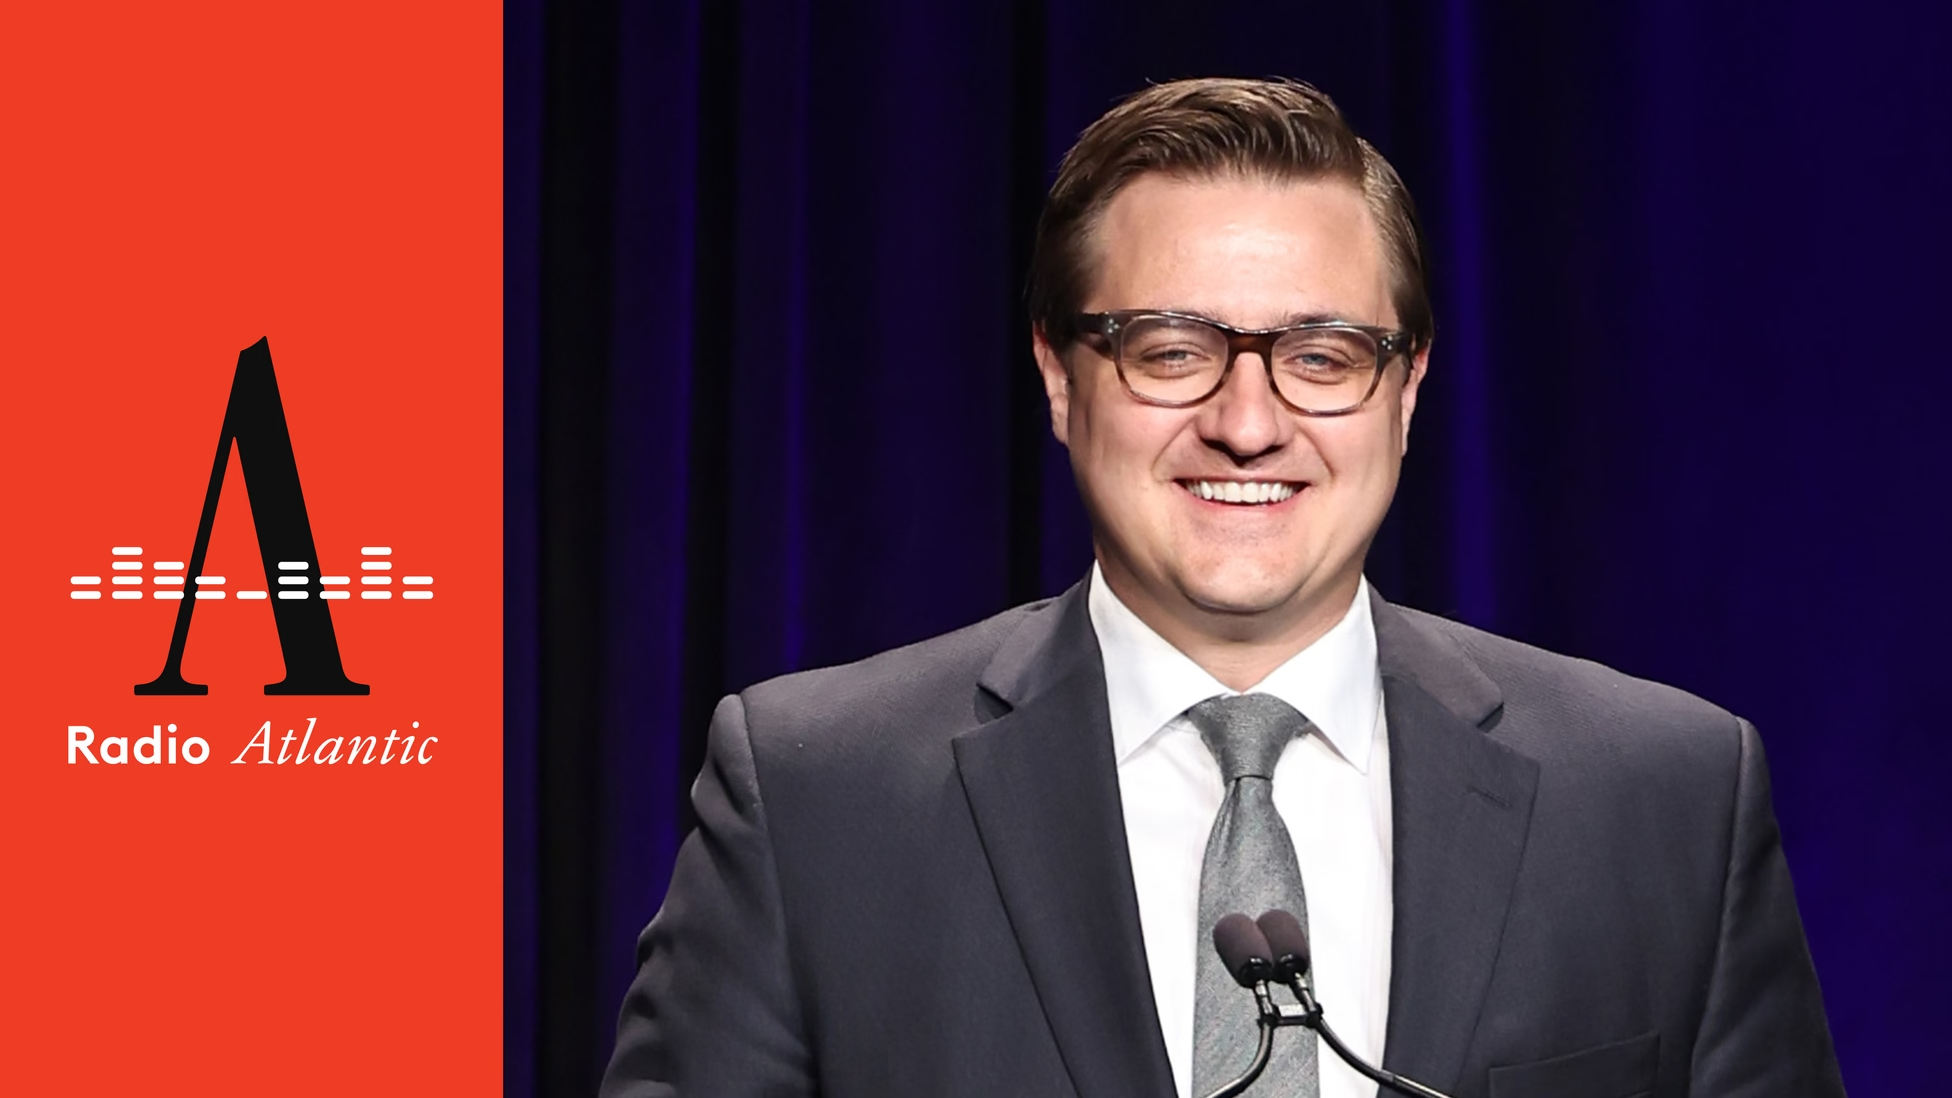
(1252, 254)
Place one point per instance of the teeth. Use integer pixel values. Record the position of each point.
(1236, 491)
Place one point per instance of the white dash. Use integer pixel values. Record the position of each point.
(85, 579)
(250, 594)
(127, 566)
(293, 565)
(84, 594)
(127, 550)
(128, 594)
(210, 580)
(376, 594)
(335, 579)
(416, 594)
(171, 596)
(294, 594)
(335, 594)
(420, 581)
(126, 579)
(168, 566)
(376, 565)
(376, 550)
(203, 595)
(161, 580)
(376, 579)
(292, 581)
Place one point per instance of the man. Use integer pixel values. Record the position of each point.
(988, 864)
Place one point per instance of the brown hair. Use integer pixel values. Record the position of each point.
(1272, 129)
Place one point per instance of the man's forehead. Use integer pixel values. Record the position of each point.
(1284, 251)
(1157, 200)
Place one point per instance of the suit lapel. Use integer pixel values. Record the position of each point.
(1042, 784)
(1462, 805)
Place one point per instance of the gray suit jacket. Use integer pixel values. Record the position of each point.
(910, 879)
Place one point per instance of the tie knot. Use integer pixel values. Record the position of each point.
(1247, 732)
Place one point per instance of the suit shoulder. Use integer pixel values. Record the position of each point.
(1563, 706)
(925, 682)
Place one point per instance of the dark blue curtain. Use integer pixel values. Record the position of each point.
(770, 403)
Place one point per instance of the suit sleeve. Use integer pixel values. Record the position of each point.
(712, 1012)
(1763, 1032)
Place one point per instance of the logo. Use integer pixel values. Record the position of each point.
(255, 427)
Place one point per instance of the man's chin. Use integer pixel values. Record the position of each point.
(1253, 601)
(1244, 600)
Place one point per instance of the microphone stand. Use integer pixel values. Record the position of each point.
(1275, 1015)
(1310, 1014)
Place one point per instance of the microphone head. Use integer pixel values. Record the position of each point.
(1287, 944)
(1243, 949)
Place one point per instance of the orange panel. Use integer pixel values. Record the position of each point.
(178, 181)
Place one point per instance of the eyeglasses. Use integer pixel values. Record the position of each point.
(1175, 360)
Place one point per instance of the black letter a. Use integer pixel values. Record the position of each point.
(255, 420)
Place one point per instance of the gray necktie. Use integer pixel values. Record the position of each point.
(1250, 867)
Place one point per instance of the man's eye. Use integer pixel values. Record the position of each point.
(1317, 361)
(1170, 359)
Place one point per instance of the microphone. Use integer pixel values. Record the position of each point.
(1288, 958)
(1244, 949)
(1287, 944)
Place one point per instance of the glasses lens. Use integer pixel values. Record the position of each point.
(1325, 369)
(1171, 358)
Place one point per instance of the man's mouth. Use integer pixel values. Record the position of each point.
(1247, 492)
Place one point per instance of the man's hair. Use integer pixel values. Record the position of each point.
(1277, 130)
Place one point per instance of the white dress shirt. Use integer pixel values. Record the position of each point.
(1332, 789)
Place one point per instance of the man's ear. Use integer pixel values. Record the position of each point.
(1057, 383)
(1419, 364)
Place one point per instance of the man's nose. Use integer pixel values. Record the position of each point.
(1245, 416)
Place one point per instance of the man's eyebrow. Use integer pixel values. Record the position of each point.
(1293, 319)
(1289, 321)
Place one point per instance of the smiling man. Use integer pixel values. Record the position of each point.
(989, 864)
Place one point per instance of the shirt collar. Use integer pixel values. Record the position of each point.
(1335, 681)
